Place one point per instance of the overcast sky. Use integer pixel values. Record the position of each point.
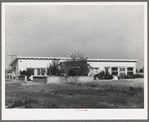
(111, 32)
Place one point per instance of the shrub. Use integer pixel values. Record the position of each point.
(103, 75)
(29, 72)
(72, 72)
(139, 76)
(50, 105)
(131, 76)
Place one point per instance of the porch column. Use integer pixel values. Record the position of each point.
(35, 71)
(110, 71)
(118, 71)
(134, 70)
(45, 73)
(125, 70)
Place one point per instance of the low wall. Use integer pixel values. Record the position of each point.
(41, 79)
(53, 79)
(22, 78)
(80, 79)
(57, 79)
(85, 78)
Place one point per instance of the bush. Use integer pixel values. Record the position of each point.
(28, 73)
(103, 75)
(129, 76)
(50, 105)
(139, 76)
(72, 72)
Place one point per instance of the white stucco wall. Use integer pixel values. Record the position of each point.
(32, 63)
(102, 65)
(111, 64)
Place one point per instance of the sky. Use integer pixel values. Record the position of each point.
(107, 32)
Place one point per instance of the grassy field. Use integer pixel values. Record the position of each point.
(94, 94)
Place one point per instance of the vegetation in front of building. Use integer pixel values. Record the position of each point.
(103, 75)
(54, 69)
(129, 76)
(76, 66)
(27, 72)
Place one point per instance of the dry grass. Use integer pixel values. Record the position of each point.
(108, 94)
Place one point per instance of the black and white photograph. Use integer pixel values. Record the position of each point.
(74, 60)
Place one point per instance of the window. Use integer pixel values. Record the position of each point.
(129, 73)
(40, 71)
(122, 69)
(129, 70)
(114, 73)
(114, 70)
(122, 74)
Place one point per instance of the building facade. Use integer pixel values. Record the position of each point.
(112, 66)
(39, 65)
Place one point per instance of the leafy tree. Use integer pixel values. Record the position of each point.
(77, 56)
(141, 70)
(78, 65)
(72, 72)
(54, 68)
(27, 72)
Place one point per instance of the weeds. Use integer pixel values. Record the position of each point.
(49, 105)
(109, 94)
(25, 102)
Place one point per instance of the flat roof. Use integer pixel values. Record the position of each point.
(67, 58)
(38, 58)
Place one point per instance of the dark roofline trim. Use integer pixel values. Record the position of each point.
(107, 61)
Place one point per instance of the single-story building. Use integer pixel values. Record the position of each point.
(39, 65)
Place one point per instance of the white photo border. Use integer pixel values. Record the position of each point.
(71, 114)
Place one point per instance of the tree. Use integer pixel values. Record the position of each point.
(141, 70)
(78, 65)
(54, 68)
(27, 72)
(77, 56)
